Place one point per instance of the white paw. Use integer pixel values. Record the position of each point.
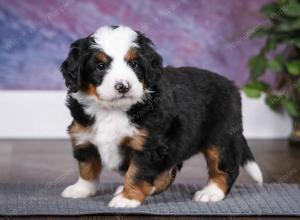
(119, 190)
(210, 193)
(81, 189)
(119, 201)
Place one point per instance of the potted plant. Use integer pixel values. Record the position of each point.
(280, 55)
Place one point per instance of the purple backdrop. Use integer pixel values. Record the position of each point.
(35, 34)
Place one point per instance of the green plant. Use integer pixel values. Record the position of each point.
(281, 55)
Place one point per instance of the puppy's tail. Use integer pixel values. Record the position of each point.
(248, 162)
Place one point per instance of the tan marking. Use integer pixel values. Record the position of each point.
(90, 169)
(134, 189)
(102, 57)
(75, 129)
(92, 91)
(137, 141)
(212, 156)
(131, 54)
(163, 181)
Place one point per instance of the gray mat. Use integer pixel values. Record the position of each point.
(244, 200)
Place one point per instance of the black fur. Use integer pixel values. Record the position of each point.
(202, 109)
(78, 114)
(150, 61)
(80, 67)
(72, 66)
(189, 110)
(86, 153)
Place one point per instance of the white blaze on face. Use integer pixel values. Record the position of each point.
(116, 43)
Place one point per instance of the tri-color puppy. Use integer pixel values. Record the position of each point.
(134, 116)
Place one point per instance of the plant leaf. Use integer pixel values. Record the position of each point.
(288, 26)
(260, 85)
(295, 41)
(298, 85)
(270, 9)
(293, 67)
(252, 92)
(257, 65)
(254, 89)
(283, 2)
(271, 44)
(276, 64)
(273, 101)
(292, 9)
(291, 107)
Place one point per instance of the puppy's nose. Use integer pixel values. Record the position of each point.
(122, 87)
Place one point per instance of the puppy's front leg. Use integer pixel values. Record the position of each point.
(89, 170)
(134, 191)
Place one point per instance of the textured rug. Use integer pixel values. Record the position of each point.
(244, 200)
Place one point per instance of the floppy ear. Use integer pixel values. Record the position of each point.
(71, 67)
(153, 61)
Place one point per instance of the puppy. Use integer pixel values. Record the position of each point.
(134, 116)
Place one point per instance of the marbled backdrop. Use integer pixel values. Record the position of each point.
(36, 34)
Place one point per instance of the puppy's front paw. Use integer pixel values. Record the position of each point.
(210, 193)
(81, 189)
(119, 201)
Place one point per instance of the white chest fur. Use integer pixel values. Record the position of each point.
(110, 128)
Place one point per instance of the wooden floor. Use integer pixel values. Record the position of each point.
(44, 161)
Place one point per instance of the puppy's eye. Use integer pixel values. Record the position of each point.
(101, 66)
(134, 64)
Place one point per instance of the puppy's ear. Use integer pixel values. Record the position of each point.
(153, 61)
(71, 68)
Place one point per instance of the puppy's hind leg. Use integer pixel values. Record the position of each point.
(222, 174)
